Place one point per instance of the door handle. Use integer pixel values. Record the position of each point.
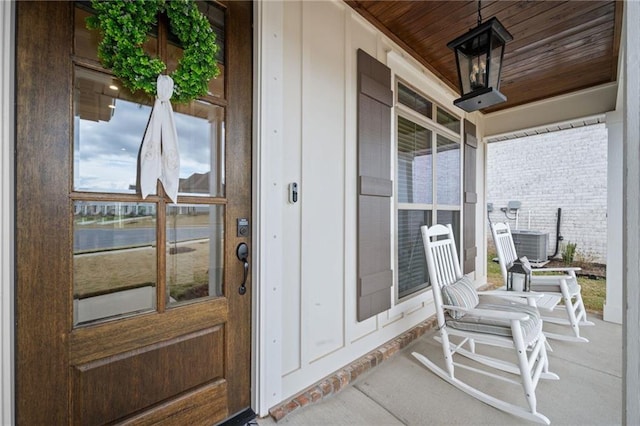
(242, 252)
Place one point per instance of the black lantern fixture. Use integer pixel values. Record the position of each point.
(479, 56)
(519, 275)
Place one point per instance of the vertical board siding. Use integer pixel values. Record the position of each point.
(292, 172)
(631, 217)
(322, 189)
(269, 203)
(317, 314)
(6, 213)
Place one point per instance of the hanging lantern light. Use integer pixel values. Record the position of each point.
(479, 56)
(519, 275)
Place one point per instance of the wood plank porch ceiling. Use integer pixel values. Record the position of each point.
(558, 47)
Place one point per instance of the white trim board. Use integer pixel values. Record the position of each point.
(7, 37)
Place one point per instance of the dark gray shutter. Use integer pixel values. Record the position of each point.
(470, 198)
(375, 99)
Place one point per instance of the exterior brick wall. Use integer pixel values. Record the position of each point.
(565, 169)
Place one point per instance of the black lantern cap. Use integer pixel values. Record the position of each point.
(492, 25)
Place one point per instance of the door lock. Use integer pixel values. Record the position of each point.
(242, 227)
(242, 252)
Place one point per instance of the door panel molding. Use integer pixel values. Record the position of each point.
(206, 405)
(125, 377)
(91, 343)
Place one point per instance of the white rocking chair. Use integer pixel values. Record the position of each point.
(563, 285)
(463, 314)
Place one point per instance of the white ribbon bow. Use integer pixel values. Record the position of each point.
(159, 158)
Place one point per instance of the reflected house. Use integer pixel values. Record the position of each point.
(112, 208)
(197, 183)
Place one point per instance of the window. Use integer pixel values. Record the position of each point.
(428, 181)
(133, 255)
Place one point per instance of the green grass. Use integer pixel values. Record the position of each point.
(593, 293)
(494, 276)
(593, 290)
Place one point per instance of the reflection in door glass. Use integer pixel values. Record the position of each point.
(114, 259)
(200, 127)
(195, 258)
(108, 131)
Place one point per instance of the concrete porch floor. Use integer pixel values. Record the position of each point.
(401, 391)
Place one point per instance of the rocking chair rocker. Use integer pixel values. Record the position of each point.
(563, 285)
(463, 313)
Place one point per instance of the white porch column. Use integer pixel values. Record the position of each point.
(7, 41)
(613, 302)
(631, 216)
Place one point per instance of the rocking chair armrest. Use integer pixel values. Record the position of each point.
(559, 269)
(511, 294)
(549, 279)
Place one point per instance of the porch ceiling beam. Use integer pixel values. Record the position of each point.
(576, 105)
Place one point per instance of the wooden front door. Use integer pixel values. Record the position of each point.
(128, 310)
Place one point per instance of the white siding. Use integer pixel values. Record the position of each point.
(631, 215)
(322, 181)
(6, 212)
(307, 254)
(565, 169)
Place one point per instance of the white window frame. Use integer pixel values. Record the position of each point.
(401, 110)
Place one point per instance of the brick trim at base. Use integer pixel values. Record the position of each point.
(342, 378)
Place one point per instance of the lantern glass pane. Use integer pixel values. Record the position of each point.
(496, 62)
(474, 71)
(478, 72)
(472, 61)
(464, 64)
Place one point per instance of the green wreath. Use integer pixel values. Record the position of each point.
(125, 25)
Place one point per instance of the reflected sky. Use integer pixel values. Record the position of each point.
(106, 152)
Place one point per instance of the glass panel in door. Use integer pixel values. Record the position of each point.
(114, 259)
(195, 258)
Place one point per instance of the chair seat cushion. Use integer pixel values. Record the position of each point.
(476, 323)
(552, 287)
(461, 293)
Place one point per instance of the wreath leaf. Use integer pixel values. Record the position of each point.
(125, 24)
